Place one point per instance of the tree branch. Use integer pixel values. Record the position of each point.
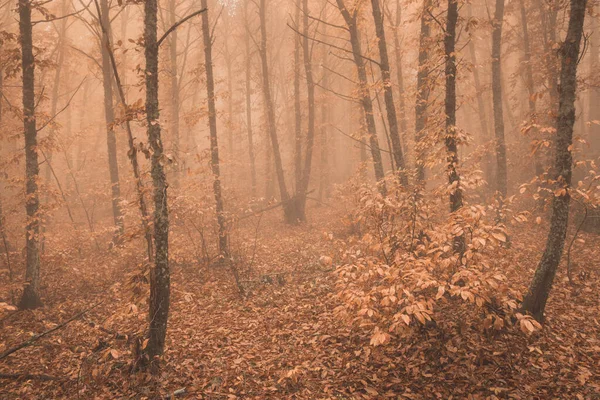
(176, 25)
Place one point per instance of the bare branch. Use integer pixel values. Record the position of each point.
(176, 25)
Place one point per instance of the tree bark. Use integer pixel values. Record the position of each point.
(423, 90)
(594, 96)
(212, 126)
(539, 289)
(159, 275)
(30, 298)
(109, 116)
(365, 95)
(388, 94)
(500, 146)
(456, 200)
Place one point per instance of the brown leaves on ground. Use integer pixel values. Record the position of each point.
(284, 341)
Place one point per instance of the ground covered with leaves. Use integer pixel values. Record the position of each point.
(285, 338)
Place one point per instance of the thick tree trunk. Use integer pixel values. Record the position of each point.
(456, 200)
(388, 94)
(423, 89)
(212, 126)
(501, 172)
(31, 297)
(159, 275)
(539, 290)
(109, 117)
(174, 88)
(288, 206)
(249, 107)
(365, 95)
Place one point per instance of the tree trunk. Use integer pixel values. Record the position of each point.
(423, 90)
(539, 290)
(456, 200)
(31, 297)
(365, 95)
(388, 94)
(288, 206)
(174, 87)
(310, 129)
(501, 172)
(212, 126)
(529, 82)
(324, 159)
(109, 116)
(249, 107)
(297, 109)
(594, 96)
(159, 275)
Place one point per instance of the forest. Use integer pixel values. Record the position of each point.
(299, 199)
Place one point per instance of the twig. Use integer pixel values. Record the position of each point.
(49, 331)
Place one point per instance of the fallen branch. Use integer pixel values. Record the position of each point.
(41, 377)
(49, 331)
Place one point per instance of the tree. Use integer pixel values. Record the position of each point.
(248, 93)
(456, 200)
(159, 275)
(422, 90)
(351, 19)
(31, 297)
(535, 300)
(212, 125)
(388, 94)
(289, 208)
(109, 115)
(501, 172)
(174, 88)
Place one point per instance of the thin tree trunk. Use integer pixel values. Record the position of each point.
(30, 298)
(456, 200)
(501, 172)
(297, 109)
(388, 94)
(288, 207)
(423, 90)
(365, 96)
(310, 129)
(324, 159)
(174, 87)
(249, 107)
(539, 290)
(212, 125)
(111, 138)
(159, 275)
(529, 82)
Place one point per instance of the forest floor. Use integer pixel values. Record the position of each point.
(284, 341)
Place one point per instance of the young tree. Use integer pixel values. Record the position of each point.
(501, 172)
(109, 115)
(159, 276)
(388, 94)
(297, 108)
(539, 289)
(174, 88)
(422, 90)
(456, 200)
(289, 208)
(31, 297)
(212, 125)
(351, 19)
(248, 94)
